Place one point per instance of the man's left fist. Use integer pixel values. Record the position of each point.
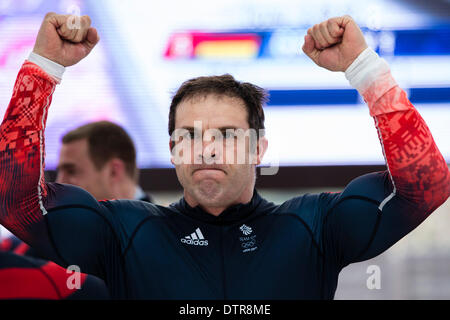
(334, 44)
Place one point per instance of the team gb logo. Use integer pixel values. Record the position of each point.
(246, 230)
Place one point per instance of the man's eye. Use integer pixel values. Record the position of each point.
(229, 135)
(189, 135)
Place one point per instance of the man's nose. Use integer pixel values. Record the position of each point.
(207, 149)
(204, 150)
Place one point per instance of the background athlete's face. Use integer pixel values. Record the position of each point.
(76, 167)
(214, 180)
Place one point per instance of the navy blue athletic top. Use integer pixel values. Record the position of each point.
(257, 250)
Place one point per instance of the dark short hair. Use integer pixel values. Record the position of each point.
(225, 85)
(106, 140)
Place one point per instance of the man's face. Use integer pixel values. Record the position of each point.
(76, 167)
(207, 183)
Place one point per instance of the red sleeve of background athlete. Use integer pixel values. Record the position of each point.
(418, 170)
(30, 278)
(22, 187)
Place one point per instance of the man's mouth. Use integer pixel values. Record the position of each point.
(212, 168)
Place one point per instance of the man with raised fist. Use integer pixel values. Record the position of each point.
(222, 240)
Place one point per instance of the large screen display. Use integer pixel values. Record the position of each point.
(313, 117)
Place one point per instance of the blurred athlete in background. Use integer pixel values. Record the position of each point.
(100, 157)
(221, 240)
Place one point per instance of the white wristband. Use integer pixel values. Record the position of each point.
(366, 68)
(52, 68)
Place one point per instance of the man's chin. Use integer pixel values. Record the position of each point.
(210, 192)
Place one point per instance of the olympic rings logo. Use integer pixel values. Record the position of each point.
(248, 244)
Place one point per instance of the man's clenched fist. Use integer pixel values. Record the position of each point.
(334, 44)
(58, 42)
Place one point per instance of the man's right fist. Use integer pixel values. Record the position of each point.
(60, 42)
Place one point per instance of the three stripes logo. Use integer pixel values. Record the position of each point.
(196, 238)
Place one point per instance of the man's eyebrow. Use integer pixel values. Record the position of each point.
(228, 127)
(187, 128)
(220, 128)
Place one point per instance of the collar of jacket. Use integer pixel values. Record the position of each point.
(231, 215)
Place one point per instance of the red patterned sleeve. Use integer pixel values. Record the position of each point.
(417, 169)
(27, 201)
(22, 187)
(377, 209)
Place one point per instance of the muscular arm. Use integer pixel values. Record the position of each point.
(22, 187)
(376, 210)
(64, 223)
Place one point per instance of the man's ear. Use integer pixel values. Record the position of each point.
(263, 143)
(171, 145)
(117, 168)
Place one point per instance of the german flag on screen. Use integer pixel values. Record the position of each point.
(198, 45)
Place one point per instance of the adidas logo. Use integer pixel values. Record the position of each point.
(195, 238)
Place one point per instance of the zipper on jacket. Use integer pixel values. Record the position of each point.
(225, 296)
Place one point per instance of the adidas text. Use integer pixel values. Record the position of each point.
(195, 242)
